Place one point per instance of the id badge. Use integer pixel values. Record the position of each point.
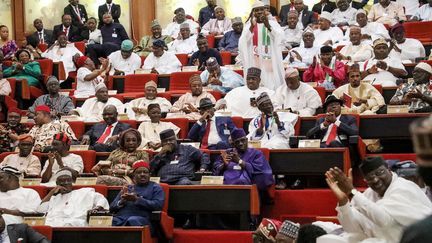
(227, 132)
(237, 167)
(174, 162)
(114, 35)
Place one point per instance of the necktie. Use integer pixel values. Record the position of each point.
(66, 31)
(78, 13)
(105, 134)
(41, 38)
(204, 141)
(332, 136)
(109, 8)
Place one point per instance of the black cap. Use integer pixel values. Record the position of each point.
(166, 134)
(331, 99)
(371, 163)
(205, 103)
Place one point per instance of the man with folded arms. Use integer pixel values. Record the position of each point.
(24, 161)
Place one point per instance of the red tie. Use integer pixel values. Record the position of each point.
(105, 134)
(78, 13)
(332, 136)
(204, 141)
(66, 31)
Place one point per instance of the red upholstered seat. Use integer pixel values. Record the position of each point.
(136, 82)
(78, 127)
(211, 41)
(379, 88)
(321, 92)
(80, 45)
(89, 159)
(182, 123)
(183, 58)
(46, 66)
(238, 121)
(45, 230)
(132, 123)
(180, 80)
(42, 46)
(419, 30)
(226, 57)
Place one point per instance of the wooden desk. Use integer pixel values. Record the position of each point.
(101, 234)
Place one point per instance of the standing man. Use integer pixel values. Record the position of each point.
(77, 12)
(259, 46)
(207, 13)
(41, 35)
(111, 8)
(72, 32)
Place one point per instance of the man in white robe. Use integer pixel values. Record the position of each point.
(241, 101)
(381, 212)
(15, 200)
(292, 32)
(220, 78)
(260, 46)
(217, 26)
(344, 15)
(272, 129)
(303, 55)
(61, 51)
(405, 48)
(327, 35)
(161, 61)
(296, 96)
(360, 97)
(382, 69)
(355, 51)
(173, 28)
(66, 207)
(88, 76)
(91, 110)
(370, 30)
(186, 43)
(137, 108)
(387, 12)
(24, 161)
(124, 61)
(424, 13)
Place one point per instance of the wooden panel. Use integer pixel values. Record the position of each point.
(18, 19)
(142, 15)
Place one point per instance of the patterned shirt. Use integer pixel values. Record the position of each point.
(6, 143)
(61, 104)
(415, 104)
(43, 135)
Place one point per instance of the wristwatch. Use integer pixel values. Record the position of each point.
(352, 193)
(240, 162)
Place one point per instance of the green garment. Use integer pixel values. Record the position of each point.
(144, 47)
(31, 72)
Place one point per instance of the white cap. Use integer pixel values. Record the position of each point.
(258, 4)
(424, 66)
(100, 86)
(326, 15)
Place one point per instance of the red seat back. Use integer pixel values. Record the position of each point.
(238, 121)
(182, 123)
(322, 93)
(165, 188)
(226, 57)
(240, 71)
(180, 80)
(379, 88)
(136, 82)
(46, 66)
(132, 123)
(89, 159)
(42, 46)
(80, 45)
(211, 41)
(44, 230)
(78, 127)
(102, 189)
(419, 30)
(183, 58)
(12, 83)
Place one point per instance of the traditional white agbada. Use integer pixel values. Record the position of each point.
(95, 37)
(187, 46)
(86, 88)
(263, 50)
(424, 13)
(5, 88)
(371, 218)
(150, 132)
(366, 92)
(358, 53)
(128, 66)
(347, 16)
(71, 160)
(375, 30)
(215, 25)
(22, 199)
(273, 137)
(238, 101)
(334, 34)
(64, 55)
(410, 6)
(306, 55)
(173, 28)
(29, 165)
(165, 64)
(188, 98)
(387, 15)
(411, 49)
(70, 209)
(164, 104)
(292, 36)
(305, 99)
(91, 110)
(383, 77)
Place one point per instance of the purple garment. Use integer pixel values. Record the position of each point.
(9, 49)
(234, 175)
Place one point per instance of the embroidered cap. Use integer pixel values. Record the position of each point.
(11, 171)
(269, 228)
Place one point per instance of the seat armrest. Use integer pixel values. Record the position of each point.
(155, 216)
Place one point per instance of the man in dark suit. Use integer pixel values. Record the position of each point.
(324, 5)
(283, 14)
(334, 129)
(109, 7)
(72, 32)
(306, 16)
(41, 35)
(103, 137)
(16, 231)
(356, 5)
(77, 12)
(204, 129)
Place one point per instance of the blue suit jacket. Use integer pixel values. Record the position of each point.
(196, 133)
(348, 127)
(97, 130)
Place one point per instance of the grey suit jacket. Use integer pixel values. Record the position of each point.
(29, 235)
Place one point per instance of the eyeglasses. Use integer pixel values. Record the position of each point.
(371, 176)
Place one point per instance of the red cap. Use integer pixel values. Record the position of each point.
(14, 110)
(269, 228)
(139, 164)
(81, 60)
(43, 108)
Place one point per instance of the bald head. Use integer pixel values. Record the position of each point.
(109, 114)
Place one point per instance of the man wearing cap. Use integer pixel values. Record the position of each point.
(302, 56)
(124, 61)
(10, 232)
(243, 165)
(134, 203)
(217, 26)
(186, 105)
(186, 44)
(370, 30)
(272, 129)
(416, 94)
(230, 40)
(25, 162)
(175, 164)
(60, 51)
(405, 48)
(161, 61)
(344, 15)
(384, 209)
(382, 68)
(220, 78)
(144, 47)
(387, 12)
(59, 104)
(173, 28)
(293, 33)
(423, 13)
(360, 97)
(66, 207)
(326, 70)
(266, 231)
(91, 110)
(326, 34)
(137, 108)
(45, 128)
(296, 96)
(356, 50)
(103, 137)
(260, 46)
(59, 158)
(109, 7)
(88, 76)
(241, 101)
(334, 129)
(211, 131)
(200, 57)
(207, 13)
(15, 200)
(9, 133)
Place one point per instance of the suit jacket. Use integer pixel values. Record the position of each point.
(357, 5)
(307, 18)
(74, 34)
(75, 20)
(348, 127)
(329, 7)
(98, 129)
(115, 12)
(33, 39)
(29, 235)
(283, 14)
(197, 131)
